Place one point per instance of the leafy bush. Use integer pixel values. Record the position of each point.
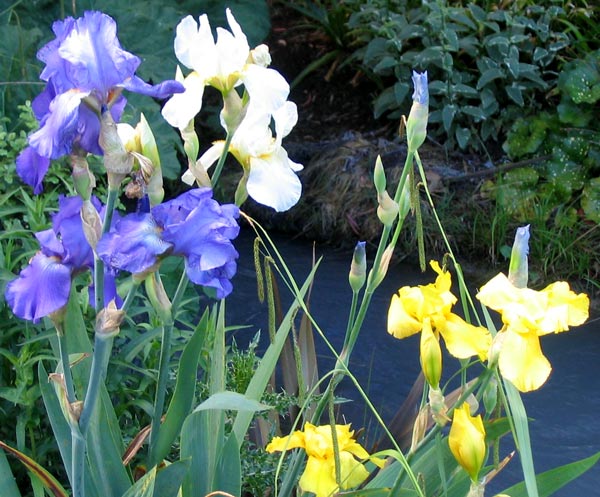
(485, 67)
(569, 138)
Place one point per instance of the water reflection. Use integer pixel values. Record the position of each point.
(566, 424)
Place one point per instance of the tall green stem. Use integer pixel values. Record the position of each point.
(219, 167)
(100, 357)
(163, 369)
(111, 201)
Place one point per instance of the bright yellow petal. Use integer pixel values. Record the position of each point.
(443, 282)
(497, 293)
(565, 308)
(352, 472)
(293, 441)
(319, 477)
(522, 362)
(463, 340)
(401, 323)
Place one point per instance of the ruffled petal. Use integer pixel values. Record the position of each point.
(161, 90)
(319, 477)
(268, 91)
(55, 138)
(273, 183)
(463, 340)
(352, 472)
(32, 168)
(522, 362)
(42, 288)
(134, 245)
(401, 323)
(293, 441)
(565, 308)
(96, 59)
(181, 108)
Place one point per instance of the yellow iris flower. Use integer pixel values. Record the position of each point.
(467, 440)
(528, 314)
(429, 307)
(319, 476)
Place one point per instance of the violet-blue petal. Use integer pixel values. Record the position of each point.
(219, 279)
(110, 289)
(421, 90)
(67, 225)
(42, 287)
(161, 90)
(31, 168)
(55, 68)
(41, 104)
(94, 55)
(50, 243)
(204, 224)
(59, 127)
(133, 245)
(175, 211)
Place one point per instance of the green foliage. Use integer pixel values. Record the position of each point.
(484, 67)
(569, 137)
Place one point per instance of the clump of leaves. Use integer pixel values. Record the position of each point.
(569, 139)
(485, 67)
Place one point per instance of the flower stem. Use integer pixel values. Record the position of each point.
(161, 389)
(163, 370)
(221, 163)
(111, 201)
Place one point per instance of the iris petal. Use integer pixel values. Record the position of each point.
(273, 183)
(55, 138)
(31, 168)
(42, 287)
(522, 362)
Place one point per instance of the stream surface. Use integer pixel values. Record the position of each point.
(565, 412)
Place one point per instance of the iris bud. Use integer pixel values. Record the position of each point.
(518, 271)
(431, 355)
(358, 267)
(416, 124)
(467, 440)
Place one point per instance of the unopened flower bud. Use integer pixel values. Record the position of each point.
(83, 179)
(416, 124)
(260, 56)
(109, 320)
(233, 111)
(91, 223)
(437, 404)
(117, 162)
(387, 210)
(379, 176)
(158, 297)
(490, 394)
(518, 270)
(495, 349)
(419, 428)
(378, 273)
(431, 355)
(467, 441)
(71, 410)
(358, 267)
(241, 192)
(405, 198)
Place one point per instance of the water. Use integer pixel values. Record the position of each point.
(565, 411)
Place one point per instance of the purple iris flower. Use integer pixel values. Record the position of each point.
(86, 69)
(43, 286)
(193, 225)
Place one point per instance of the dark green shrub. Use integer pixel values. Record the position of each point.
(484, 67)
